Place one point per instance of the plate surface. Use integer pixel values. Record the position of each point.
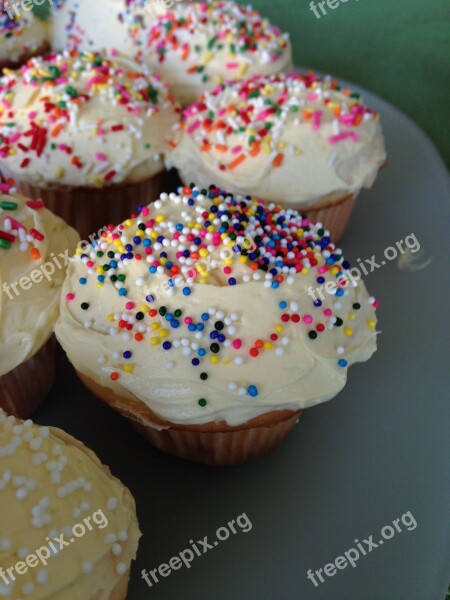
(351, 466)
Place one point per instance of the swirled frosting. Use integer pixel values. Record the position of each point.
(296, 137)
(51, 487)
(193, 46)
(20, 34)
(81, 119)
(201, 307)
(33, 241)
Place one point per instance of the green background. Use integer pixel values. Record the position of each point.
(399, 49)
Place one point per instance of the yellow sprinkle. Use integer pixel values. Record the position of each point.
(214, 359)
(348, 331)
(159, 218)
(155, 326)
(334, 270)
(279, 328)
(208, 56)
(242, 69)
(267, 345)
(305, 271)
(59, 173)
(203, 252)
(110, 318)
(154, 341)
(243, 259)
(351, 316)
(371, 324)
(128, 368)
(163, 333)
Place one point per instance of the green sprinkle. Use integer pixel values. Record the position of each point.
(8, 205)
(5, 244)
(202, 402)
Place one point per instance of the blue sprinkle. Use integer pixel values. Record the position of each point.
(342, 362)
(195, 362)
(205, 317)
(283, 304)
(200, 327)
(123, 292)
(232, 281)
(339, 292)
(174, 323)
(201, 352)
(127, 354)
(83, 280)
(187, 291)
(252, 390)
(167, 345)
(275, 284)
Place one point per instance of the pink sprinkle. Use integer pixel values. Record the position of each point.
(4, 187)
(316, 118)
(308, 319)
(14, 137)
(227, 270)
(236, 149)
(322, 270)
(237, 344)
(188, 320)
(32, 115)
(70, 296)
(129, 305)
(102, 157)
(334, 139)
(328, 312)
(90, 264)
(5, 103)
(145, 211)
(195, 125)
(312, 97)
(233, 65)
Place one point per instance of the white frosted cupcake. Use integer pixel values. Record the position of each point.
(295, 138)
(22, 35)
(68, 527)
(193, 46)
(87, 134)
(201, 321)
(35, 247)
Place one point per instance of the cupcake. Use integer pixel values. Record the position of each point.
(298, 138)
(35, 247)
(68, 527)
(85, 133)
(22, 35)
(193, 46)
(206, 322)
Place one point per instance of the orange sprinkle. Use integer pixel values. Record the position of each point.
(56, 130)
(206, 147)
(172, 144)
(256, 148)
(237, 161)
(185, 53)
(278, 160)
(35, 254)
(307, 113)
(221, 147)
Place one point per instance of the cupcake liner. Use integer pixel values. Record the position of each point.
(44, 48)
(120, 590)
(334, 217)
(215, 443)
(24, 388)
(216, 448)
(90, 209)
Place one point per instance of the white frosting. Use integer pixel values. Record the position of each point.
(291, 371)
(20, 36)
(28, 313)
(305, 133)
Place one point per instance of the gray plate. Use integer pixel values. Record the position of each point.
(350, 467)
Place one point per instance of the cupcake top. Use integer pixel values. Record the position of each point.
(197, 45)
(35, 247)
(294, 137)
(20, 34)
(80, 119)
(56, 494)
(206, 308)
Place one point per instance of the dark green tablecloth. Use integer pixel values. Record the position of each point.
(399, 49)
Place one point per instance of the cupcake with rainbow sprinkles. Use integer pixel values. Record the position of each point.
(196, 321)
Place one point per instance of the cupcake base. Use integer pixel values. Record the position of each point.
(23, 389)
(334, 216)
(214, 444)
(44, 48)
(88, 210)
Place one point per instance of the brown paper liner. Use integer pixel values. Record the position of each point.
(16, 64)
(90, 209)
(24, 388)
(334, 216)
(215, 443)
